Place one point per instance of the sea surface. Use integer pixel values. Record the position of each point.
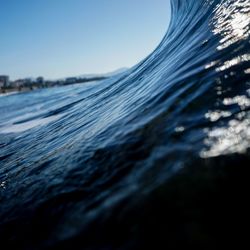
(156, 157)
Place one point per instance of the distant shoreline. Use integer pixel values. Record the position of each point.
(18, 90)
(35, 86)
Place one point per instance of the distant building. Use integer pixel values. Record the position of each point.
(40, 80)
(27, 82)
(13, 84)
(17, 83)
(4, 81)
(70, 80)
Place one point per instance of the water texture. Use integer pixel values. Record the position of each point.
(153, 158)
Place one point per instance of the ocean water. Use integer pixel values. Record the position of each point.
(154, 158)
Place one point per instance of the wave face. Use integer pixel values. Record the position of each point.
(156, 156)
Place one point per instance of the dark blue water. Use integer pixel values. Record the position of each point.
(154, 158)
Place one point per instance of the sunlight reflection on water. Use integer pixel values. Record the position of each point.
(232, 23)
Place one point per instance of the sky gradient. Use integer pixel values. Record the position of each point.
(59, 38)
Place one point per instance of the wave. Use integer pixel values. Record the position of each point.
(156, 156)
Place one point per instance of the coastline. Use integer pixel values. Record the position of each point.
(21, 89)
(8, 91)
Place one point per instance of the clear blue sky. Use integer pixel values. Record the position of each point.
(57, 38)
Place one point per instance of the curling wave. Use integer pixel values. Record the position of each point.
(156, 156)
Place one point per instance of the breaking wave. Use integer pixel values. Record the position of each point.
(156, 156)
